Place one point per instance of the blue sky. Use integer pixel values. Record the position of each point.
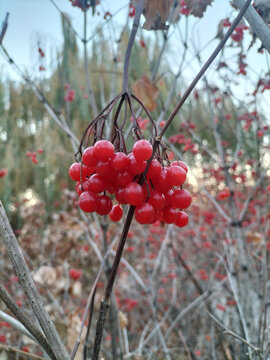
(31, 20)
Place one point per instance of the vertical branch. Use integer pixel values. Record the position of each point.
(88, 79)
(139, 9)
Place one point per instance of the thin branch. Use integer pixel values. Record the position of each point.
(238, 337)
(22, 271)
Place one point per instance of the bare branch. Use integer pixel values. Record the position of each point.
(22, 271)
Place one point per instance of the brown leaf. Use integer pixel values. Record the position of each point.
(123, 320)
(198, 7)
(156, 13)
(254, 237)
(146, 91)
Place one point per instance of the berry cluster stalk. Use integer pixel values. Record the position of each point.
(105, 303)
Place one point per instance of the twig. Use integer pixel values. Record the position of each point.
(20, 352)
(228, 331)
(15, 323)
(22, 271)
(218, 207)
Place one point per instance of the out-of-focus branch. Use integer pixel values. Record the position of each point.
(257, 24)
(4, 28)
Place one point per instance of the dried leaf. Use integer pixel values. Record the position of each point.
(123, 320)
(45, 275)
(198, 7)
(156, 13)
(254, 237)
(146, 91)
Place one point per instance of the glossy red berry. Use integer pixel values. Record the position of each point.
(134, 193)
(182, 219)
(97, 183)
(182, 164)
(144, 213)
(120, 195)
(89, 157)
(176, 175)
(157, 200)
(142, 150)
(88, 201)
(169, 215)
(154, 169)
(116, 213)
(104, 205)
(135, 167)
(75, 171)
(104, 149)
(120, 161)
(181, 199)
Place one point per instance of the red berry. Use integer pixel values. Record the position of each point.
(88, 156)
(104, 205)
(74, 171)
(169, 215)
(104, 149)
(116, 213)
(157, 200)
(154, 169)
(134, 193)
(97, 183)
(75, 274)
(135, 167)
(182, 164)
(144, 213)
(181, 199)
(120, 195)
(176, 175)
(122, 179)
(88, 201)
(161, 183)
(182, 219)
(120, 161)
(142, 150)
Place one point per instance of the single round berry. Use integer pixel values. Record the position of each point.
(135, 167)
(161, 183)
(142, 150)
(116, 213)
(122, 179)
(75, 171)
(157, 200)
(169, 215)
(104, 205)
(134, 193)
(144, 213)
(182, 164)
(176, 175)
(154, 169)
(181, 199)
(182, 219)
(120, 161)
(89, 157)
(104, 149)
(120, 195)
(88, 201)
(97, 183)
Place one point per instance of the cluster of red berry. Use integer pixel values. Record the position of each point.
(160, 197)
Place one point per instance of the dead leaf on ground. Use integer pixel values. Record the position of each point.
(198, 7)
(146, 91)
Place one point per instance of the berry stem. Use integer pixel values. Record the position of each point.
(139, 9)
